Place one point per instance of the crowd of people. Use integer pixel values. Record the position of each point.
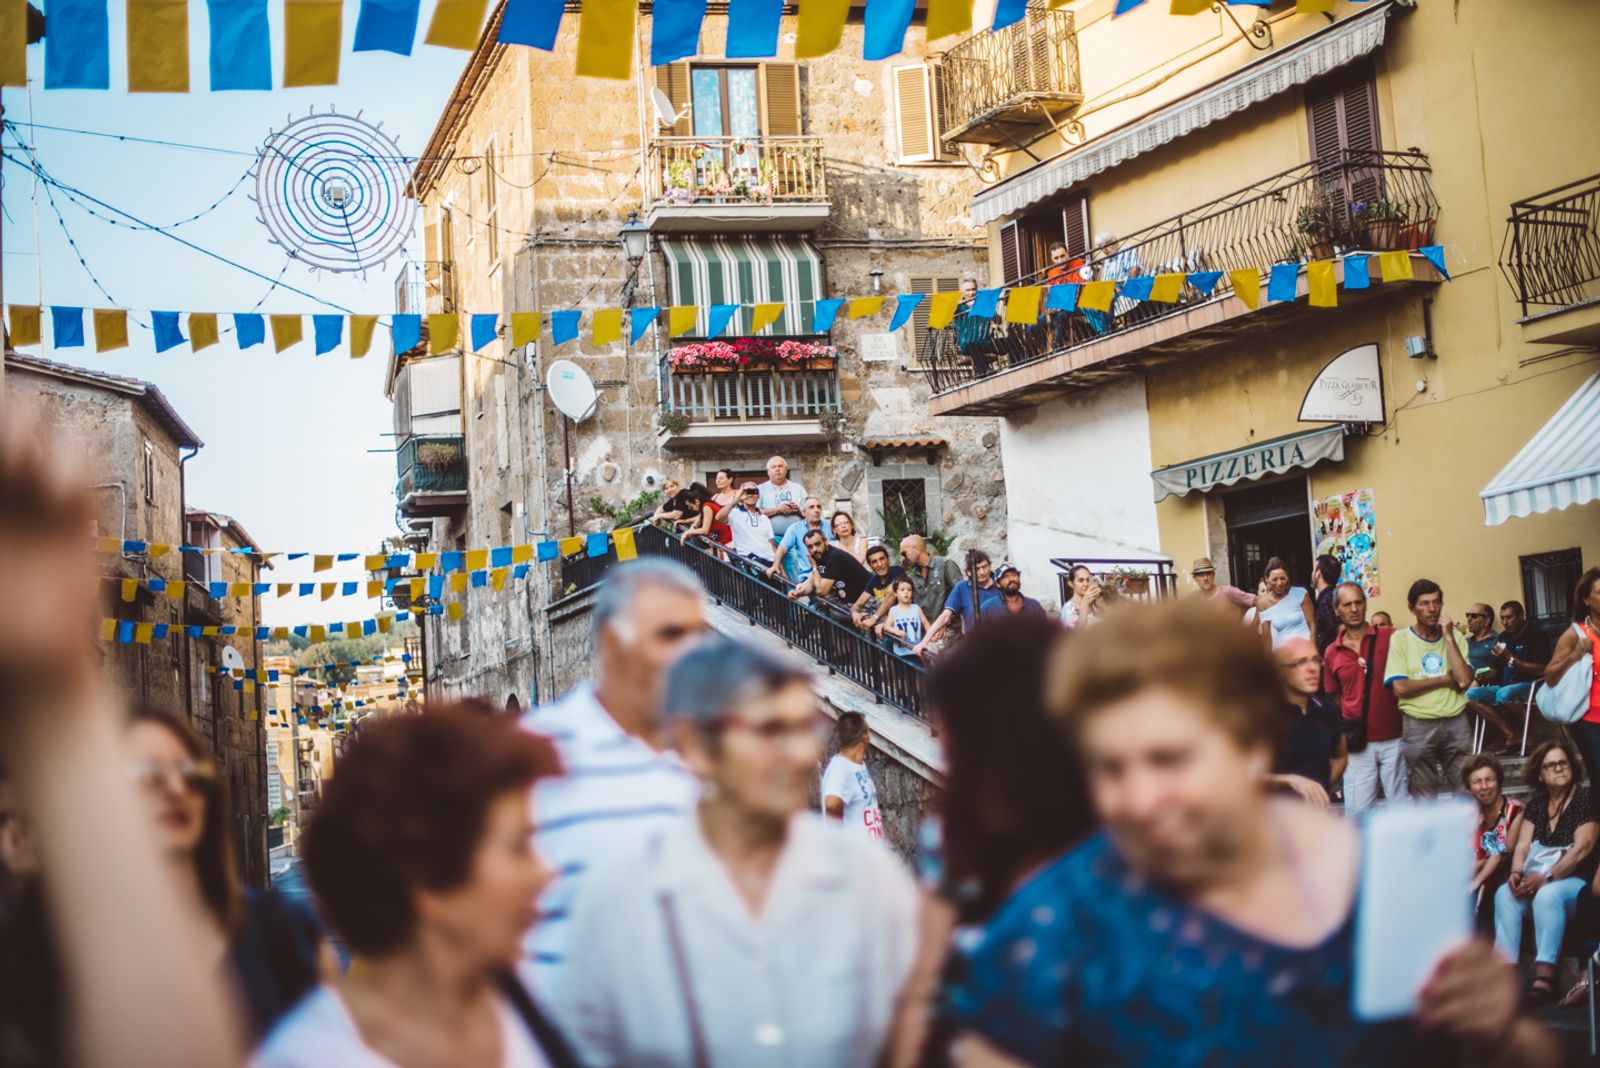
(1133, 860)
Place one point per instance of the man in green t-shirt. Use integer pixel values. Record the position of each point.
(1429, 674)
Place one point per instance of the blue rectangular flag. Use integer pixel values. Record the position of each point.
(564, 326)
(1357, 272)
(1281, 283)
(241, 45)
(348, 589)
(599, 544)
(500, 556)
(639, 320)
(985, 304)
(886, 24)
(480, 579)
(675, 30)
(328, 331)
(406, 331)
(826, 311)
(1125, 6)
(1138, 288)
(520, 571)
(484, 328)
(435, 586)
(905, 305)
(77, 50)
(386, 26)
(218, 590)
(532, 22)
(452, 561)
(1063, 296)
(547, 550)
(307, 589)
(125, 631)
(753, 28)
(165, 326)
(250, 328)
(66, 327)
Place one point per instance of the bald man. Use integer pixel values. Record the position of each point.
(1313, 754)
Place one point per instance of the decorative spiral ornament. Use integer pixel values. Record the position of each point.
(330, 189)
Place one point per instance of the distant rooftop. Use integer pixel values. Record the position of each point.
(145, 392)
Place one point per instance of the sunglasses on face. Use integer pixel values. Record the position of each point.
(189, 775)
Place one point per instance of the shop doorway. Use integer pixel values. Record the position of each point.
(1266, 521)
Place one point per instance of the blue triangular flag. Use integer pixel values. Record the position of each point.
(484, 329)
(1063, 296)
(250, 329)
(1125, 6)
(753, 29)
(564, 326)
(532, 22)
(1281, 283)
(717, 321)
(546, 551)
(826, 311)
(1138, 288)
(1204, 281)
(327, 331)
(66, 327)
(886, 24)
(386, 26)
(905, 304)
(599, 544)
(1357, 272)
(1434, 254)
(406, 330)
(639, 320)
(1008, 11)
(985, 304)
(675, 30)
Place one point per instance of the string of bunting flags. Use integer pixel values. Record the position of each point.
(434, 585)
(1024, 304)
(77, 48)
(133, 632)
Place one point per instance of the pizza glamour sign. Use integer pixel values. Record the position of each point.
(1348, 390)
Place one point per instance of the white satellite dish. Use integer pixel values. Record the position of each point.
(231, 658)
(571, 390)
(663, 105)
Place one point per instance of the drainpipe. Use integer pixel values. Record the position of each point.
(188, 649)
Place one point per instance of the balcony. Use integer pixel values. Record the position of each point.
(750, 184)
(426, 288)
(996, 87)
(711, 411)
(1551, 258)
(432, 474)
(1360, 202)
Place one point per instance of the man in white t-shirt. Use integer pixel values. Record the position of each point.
(782, 498)
(752, 530)
(848, 794)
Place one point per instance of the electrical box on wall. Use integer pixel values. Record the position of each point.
(1417, 347)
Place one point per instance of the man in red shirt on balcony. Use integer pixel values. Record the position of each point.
(1354, 671)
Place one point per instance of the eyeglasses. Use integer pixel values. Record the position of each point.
(190, 775)
(1556, 765)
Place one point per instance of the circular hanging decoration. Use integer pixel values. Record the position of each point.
(331, 191)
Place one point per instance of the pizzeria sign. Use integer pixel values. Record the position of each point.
(1275, 456)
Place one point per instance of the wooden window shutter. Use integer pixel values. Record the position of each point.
(1075, 225)
(1343, 114)
(780, 99)
(919, 318)
(913, 113)
(430, 255)
(1011, 238)
(1360, 103)
(673, 79)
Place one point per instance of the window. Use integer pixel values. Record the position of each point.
(1342, 116)
(491, 207)
(1548, 580)
(919, 317)
(733, 100)
(905, 507)
(918, 102)
(439, 252)
(149, 471)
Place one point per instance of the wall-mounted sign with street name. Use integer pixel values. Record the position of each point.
(878, 347)
(1348, 390)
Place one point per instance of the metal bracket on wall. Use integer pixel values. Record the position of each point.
(1259, 30)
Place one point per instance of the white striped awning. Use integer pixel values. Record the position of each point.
(1557, 468)
(746, 270)
(1293, 65)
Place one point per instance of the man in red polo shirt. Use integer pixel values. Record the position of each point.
(1354, 671)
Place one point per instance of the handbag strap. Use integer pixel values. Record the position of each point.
(680, 965)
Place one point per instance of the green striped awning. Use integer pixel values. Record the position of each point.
(746, 270)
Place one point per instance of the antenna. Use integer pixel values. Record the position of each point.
(663, 108)
(571, 390)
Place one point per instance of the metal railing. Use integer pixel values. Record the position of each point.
(1027, 65)
(1551, 252)
(431, 463)
(752, 396)
(736, 170)
(1159, 581)
(424, 288)
(1362, 201)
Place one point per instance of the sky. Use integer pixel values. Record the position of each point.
(298, 448)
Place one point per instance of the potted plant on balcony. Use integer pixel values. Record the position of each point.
(805, 355)
(1416, 234)
(673, 422)
(1319, 225)
(715, 357)
(437, 453)
(1131, 580)
(1382, 220)
(680, 173)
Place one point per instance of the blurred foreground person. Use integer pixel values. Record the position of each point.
(1014, 798)
(1210, 922)
(421, 857)
(139, 986)
(751, 931)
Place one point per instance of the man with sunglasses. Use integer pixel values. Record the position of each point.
(1313, 753)
(1484, 695)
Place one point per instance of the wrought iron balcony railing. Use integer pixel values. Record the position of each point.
(992, 82)
(1362, 201)
(1551, 254)
(736, 170)
(744, 396)
(431, 465)
(426, 288)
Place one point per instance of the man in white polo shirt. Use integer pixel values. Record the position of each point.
(620, 781)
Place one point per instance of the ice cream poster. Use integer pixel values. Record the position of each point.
(1347, 527)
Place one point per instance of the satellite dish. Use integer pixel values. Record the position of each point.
(663, 106)
(231, 658)
(571, 390)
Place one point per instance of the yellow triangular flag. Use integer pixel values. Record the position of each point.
(763, 316)
(108, 627)
(176, 590)
(820, 26)
(458, 582)
(287, 330)
(1395, 266)
(142, 633)
(1246, 286)
(1022, 304)
(426, 561)
(14, 42)
(326, 589)
(942, 310)
(312, 33)
(130, 590)
(525, 328)
(861, 307)
(203, 331)
(947, 17)
(374, 561)
(568, 546)
(1097, 296)
(1167, 288)
(680, 319)
(452, 610)
(456, 23)
(321, 563)
(158, 46)
(110, 329)
(606, 326)
(1190, 7)
(521, 554)
(1320, 284)
(477, 559)
(361, 328)
(622, 538)
(443, 331)
(605, 38)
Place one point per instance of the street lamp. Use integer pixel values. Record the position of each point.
(635, 243)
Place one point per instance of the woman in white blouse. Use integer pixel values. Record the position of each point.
(1282, 611)
(750, 932)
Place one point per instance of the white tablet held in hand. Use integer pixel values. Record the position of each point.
(1416, 862)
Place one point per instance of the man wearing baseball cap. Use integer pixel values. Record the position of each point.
(1011, 601)
(1204, 573)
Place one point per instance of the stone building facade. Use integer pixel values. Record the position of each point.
(524, 187)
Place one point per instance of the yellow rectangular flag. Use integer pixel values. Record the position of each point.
(142, 633)
(1190, 7)
(820, 26)
(417, 586)
(385, 621)
(203, 331)
(1097, 296)
(426, 561)
(352, 631)
(1395, 266)
(477, 559)
(680, 318)
(1246, 286)
(374, 587)
(444, 330)
(110, 329)
(210, 632)
(14, 42)
(158, 46)
(1022, 304)
(458, 582)
(317, 633)
(158, 550)
(497, 578)
(374, 561)
(568, 546)
(1167, 288)
(942, 310)
(238, 589)
(606, 326)
(280, 634)
(25, 324)
(312, 33)
(861, 307)
(947, 17)
(321, 563)
(605, 38)
(285, 589)
(1312, 7)
(525, 328)
(622, 538)
(456, 23)
(521, 554)
(763, 316)
(287, 330)
(452, 610)
(130, 590)
(108, 545)
(176, 590)
(1324, 292)
(108, 630)
(326, 589)
(361, 328)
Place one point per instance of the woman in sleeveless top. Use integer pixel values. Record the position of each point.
(1582, 642)
(1282, 610)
